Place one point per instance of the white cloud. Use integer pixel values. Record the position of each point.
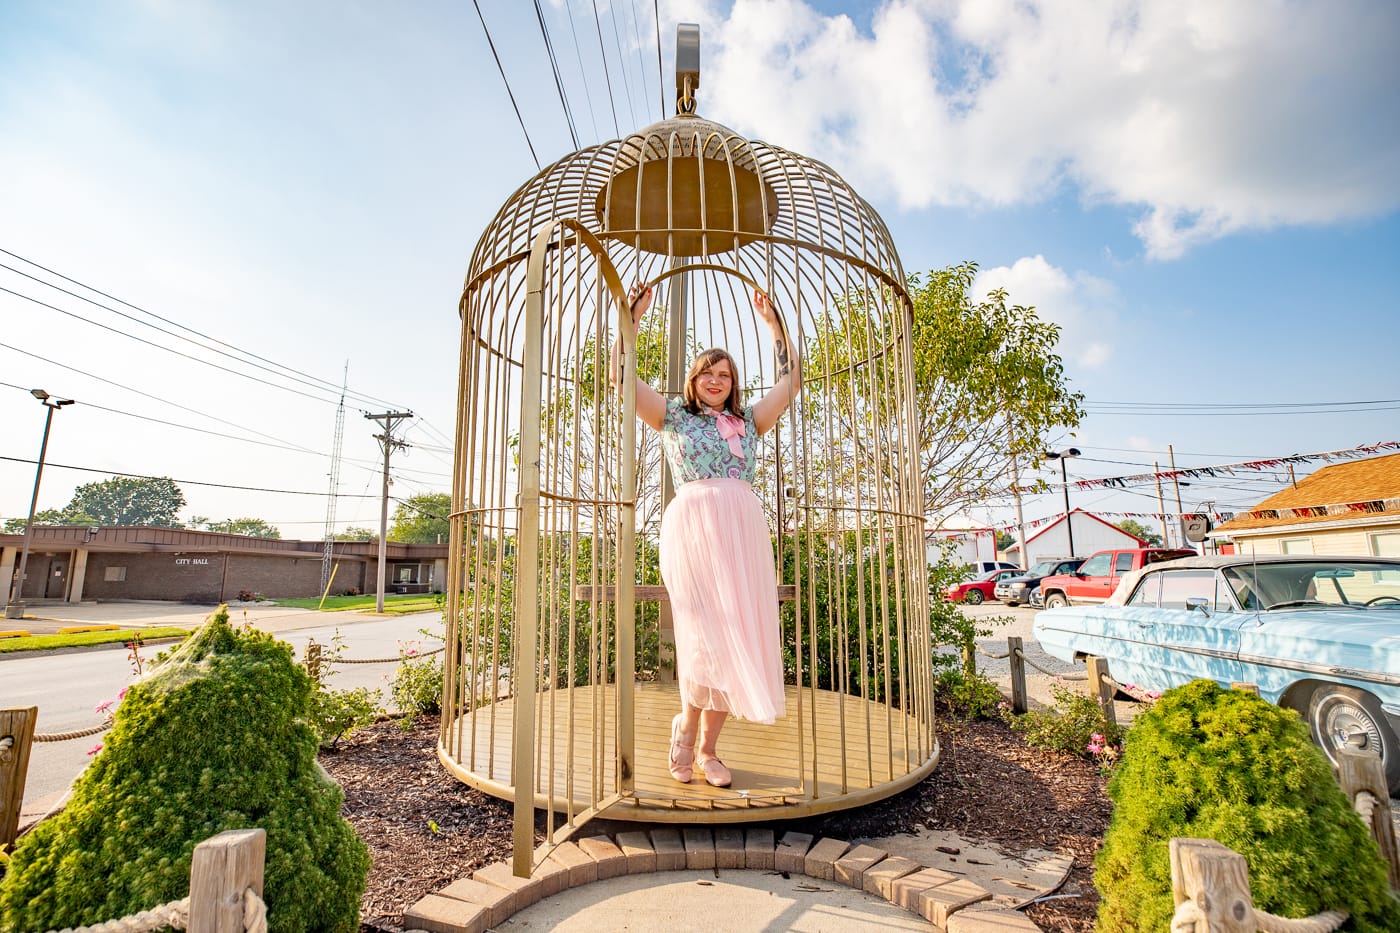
(1209, 118)
(1083, 305)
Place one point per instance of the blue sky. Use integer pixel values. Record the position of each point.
(1204, 195)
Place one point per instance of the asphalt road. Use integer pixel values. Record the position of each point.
(68, 687)
(1004, 621)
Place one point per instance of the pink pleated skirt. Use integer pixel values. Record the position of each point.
(717, 563)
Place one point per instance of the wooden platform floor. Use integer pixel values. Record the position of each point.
(881, 757)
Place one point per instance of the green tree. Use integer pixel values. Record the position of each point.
(1139, 530)
(252, 527)
(422, 519)
(129, 500)
(15, 526)
(989, 385)
(357, 534)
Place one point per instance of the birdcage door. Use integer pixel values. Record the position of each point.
(575, 568)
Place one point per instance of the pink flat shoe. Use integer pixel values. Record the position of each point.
(716, 774)
(682, 757)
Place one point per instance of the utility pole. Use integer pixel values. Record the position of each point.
(1161, 505)
(1171, 458)
(1020, 516)
(388, 443)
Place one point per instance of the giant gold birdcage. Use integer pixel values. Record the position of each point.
(559, 684)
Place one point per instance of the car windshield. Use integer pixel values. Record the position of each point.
(1043, 568)
(1321, 584)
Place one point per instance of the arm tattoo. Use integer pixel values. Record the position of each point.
(780, 349)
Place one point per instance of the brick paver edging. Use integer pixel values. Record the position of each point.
(492, 894)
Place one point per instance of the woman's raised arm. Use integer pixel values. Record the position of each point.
(777, 400)
(651, 406)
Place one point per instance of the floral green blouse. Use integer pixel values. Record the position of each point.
(695, 449)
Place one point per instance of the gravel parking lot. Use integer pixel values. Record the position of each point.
(1003, 622)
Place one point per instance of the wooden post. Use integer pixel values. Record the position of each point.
(1362, 771)
(1018, 674)
(1100, 686)
(1217, 880)
(969, 657)
(16, 739)
(223, 868)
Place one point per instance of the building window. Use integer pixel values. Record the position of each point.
(1386, 544)
(114, 574)
(1297, 545)
(407, 573)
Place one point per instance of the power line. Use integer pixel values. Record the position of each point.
(509, 92)
(622, 64)
(156, 398)
(183, 482)
(641, 62)
(158, 346)
(583, 74)
(660, 72)
(98, 291)
(273, 441)
(558, 82)
(1224, 405)
(617, 130)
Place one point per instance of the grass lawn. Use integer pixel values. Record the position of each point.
(78, 639)
(393, 604)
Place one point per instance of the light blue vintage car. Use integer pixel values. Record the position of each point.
(1320, 635)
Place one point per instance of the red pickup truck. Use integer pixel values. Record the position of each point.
(1099, 576)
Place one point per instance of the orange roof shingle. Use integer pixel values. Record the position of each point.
(1367, 480)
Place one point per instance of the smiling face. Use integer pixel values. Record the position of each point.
(713, 382)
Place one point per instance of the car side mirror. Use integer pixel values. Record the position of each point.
(1198, 602)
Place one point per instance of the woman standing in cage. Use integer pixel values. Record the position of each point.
(716, 548)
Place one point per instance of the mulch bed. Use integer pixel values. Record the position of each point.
(425, 829)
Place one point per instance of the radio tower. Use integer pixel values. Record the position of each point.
(334, 492)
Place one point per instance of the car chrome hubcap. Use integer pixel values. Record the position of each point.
(1349, 726)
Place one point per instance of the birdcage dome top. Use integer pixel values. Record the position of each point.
(688, 186)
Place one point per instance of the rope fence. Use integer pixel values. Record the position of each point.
(226, 881)
(76, 734)
(1211, 886)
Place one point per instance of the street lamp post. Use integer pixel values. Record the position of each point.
(1062, 456)
(14, 609)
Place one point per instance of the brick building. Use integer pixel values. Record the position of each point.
(77, 563)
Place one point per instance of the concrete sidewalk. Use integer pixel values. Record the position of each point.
(46, 618)
(745, 880)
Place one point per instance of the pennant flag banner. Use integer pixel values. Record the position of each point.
(1374, 506)
(1224, 469)
(1215, 517)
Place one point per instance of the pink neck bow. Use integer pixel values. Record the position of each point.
(731, 428)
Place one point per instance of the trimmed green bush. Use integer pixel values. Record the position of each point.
(1070, 725)
(1225, 765)
(215, 738)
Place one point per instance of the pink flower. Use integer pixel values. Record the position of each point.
(103, 707)
(1096, 737)
(121, 694)
(95, 749)
(1094, 748)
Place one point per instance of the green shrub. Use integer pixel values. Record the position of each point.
(334, 714)
(214, 738)
(1072, 724)
(417, 687)
(970, 696)
(1225, 765)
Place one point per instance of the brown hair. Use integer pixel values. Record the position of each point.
(734, 404)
